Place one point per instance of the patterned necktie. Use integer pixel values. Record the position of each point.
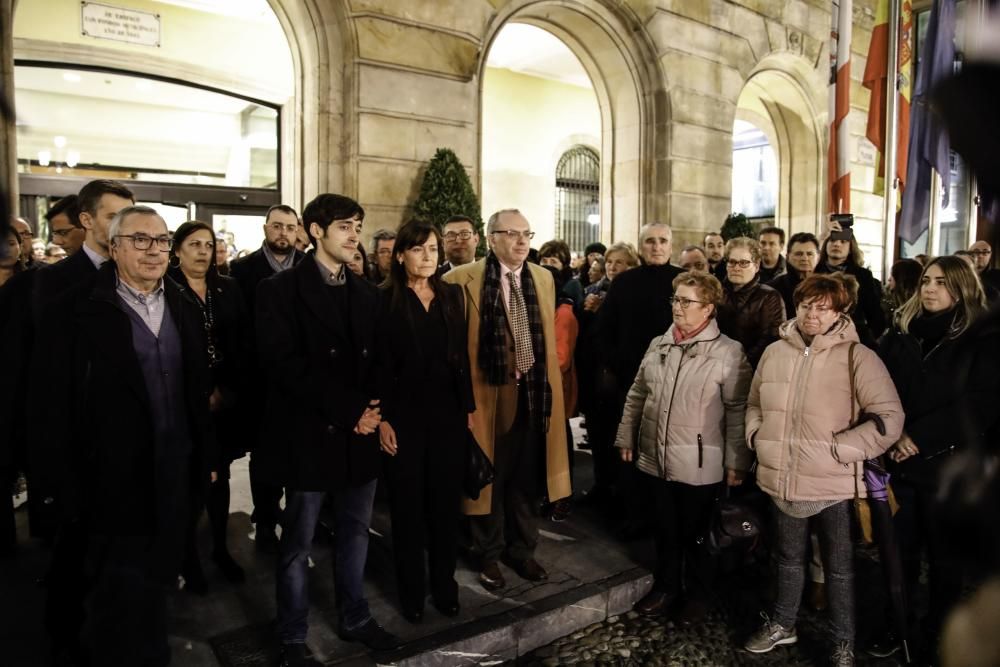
(524, 355)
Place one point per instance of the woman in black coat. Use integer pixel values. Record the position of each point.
(751, 312)
(923, 353)
(426, 392)
(223, 312)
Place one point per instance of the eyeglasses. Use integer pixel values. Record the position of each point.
(464, 235)
(682, 302)
(982, 253)
(278, 227)
(742, 263)
(818, 308)
(514, 235)
(143, 242)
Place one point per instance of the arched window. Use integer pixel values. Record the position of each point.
(578, 211)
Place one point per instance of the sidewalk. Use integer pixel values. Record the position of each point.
(591, 576)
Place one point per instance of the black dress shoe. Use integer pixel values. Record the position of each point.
(655, 603)
(490, 576)
(529, 569)
(265, 539)
(372, 635)
(449, 609)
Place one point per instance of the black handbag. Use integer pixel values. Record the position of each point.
(735, 523)
(479, 471)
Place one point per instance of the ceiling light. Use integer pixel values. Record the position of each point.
(59, 141)
(72, 159)
(72, 77)
(44, 157)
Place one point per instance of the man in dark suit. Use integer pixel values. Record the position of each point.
(276, 254)
(982, 255)
(315, 339)
(126, 440)
(99, 201)
(460, 242)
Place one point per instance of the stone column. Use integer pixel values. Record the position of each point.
(8, 137)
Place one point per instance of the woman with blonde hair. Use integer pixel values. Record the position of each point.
(923, 353)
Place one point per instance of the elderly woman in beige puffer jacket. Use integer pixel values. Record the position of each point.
(809, 452)
(685, 411)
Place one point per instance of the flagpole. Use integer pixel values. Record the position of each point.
(892, 144)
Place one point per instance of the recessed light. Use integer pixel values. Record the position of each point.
(72, 77)
(59, 141)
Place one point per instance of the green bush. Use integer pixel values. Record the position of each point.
(447, 191)
(735, 226)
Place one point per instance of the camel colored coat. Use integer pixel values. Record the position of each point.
(493, 403)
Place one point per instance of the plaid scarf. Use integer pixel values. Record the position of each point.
(492, 348)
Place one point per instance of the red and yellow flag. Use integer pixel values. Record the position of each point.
(875, 78)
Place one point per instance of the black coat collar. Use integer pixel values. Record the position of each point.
(362, 299)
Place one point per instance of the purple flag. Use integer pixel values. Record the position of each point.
(928, 138)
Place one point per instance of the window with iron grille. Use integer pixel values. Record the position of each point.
(578, 211)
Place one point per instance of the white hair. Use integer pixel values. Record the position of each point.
(116, 222)
(646, 229)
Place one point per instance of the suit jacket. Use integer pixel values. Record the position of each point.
(397, 349)
(488, 397)
(319, 379)
(96, 448)
(57, 278)
(250, 270)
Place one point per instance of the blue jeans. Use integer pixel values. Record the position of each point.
(353, 506)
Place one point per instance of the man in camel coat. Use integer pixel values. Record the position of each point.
(519, 400)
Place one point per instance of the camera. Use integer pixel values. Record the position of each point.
(846, 221)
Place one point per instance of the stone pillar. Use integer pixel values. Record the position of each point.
(8, 137)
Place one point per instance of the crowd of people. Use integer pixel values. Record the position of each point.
(740, 368)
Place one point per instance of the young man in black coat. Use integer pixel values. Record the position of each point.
(126, 441)
(316, 341)
(276, 254)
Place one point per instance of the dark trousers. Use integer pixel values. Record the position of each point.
(8, 531)
(216, 505)
(918, 526)
(66, 586)
(512, 524)
(425, 490)
(683, 513)
(792, 536)
(353, 516)
(602, 424)
(126, 607)
(266, 498)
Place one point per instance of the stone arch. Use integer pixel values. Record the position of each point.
(314, 121)
(618, 56)
(780, 97)
(317, 121)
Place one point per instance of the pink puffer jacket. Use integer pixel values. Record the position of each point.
(799, 414)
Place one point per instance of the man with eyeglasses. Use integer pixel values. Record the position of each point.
(519, 420)
(460, 242)
(803, 256)
(276, 254)
(383, 241)
(23, 229)
(982, 254)
(126, 442)
(635, 311)
(64, 224)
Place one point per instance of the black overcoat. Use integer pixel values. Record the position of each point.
(319, 376)
(95, 450)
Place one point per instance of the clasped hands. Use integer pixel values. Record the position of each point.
(903, 449)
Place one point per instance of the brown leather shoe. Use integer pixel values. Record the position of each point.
(490, 576)
(817, 595)
(654, 604)
(530, 569)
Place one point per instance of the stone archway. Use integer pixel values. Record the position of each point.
(316, 122)
(621, 62)
(776, 98)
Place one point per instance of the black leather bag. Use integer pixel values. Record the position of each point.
(736, 523)
(479, 471)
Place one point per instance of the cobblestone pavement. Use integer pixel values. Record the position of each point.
(631, 639)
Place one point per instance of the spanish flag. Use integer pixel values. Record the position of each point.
(875, 77)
